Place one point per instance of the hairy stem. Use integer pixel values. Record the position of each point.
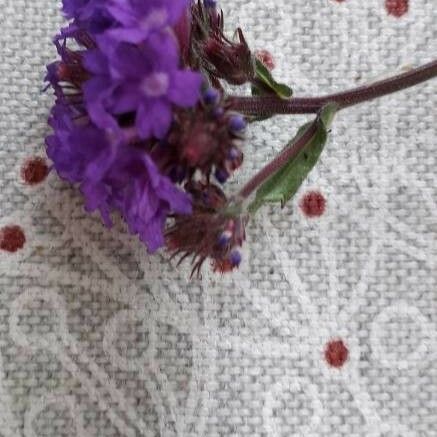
(271, 105)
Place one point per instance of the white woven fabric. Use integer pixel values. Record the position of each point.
(98, 339)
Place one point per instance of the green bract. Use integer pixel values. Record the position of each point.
(266, 82)
(282, 185)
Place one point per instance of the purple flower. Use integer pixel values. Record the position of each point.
(92, 15)
(139, 18)
(83, 10)
(117, 88)
(113, 176)
(145, 79)
(68, 147)
(148, 199)
(134, 186)
(81, 153)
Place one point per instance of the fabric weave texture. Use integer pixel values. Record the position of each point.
(97, 338)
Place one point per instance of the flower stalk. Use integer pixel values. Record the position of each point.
(263, 106)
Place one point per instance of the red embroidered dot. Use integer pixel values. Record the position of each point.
(336, 353)
(34, 170)
(12, 238)
(397, 8)
(266, 58)
(313, 204)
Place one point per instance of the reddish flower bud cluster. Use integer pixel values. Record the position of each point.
(215, 54)
(206, 139)
(218, 230)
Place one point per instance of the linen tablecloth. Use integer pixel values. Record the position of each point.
(329, 327)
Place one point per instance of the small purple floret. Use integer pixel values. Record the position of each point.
(146, 80)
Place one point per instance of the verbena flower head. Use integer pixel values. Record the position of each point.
(136, 125)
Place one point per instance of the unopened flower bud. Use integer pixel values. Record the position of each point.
(210, 3)
(235, 258)
(237, 123)
(231, 61)
(221, 175)
(233, 153)
(224, 238)
(211, 96)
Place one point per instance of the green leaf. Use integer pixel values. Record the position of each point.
(283, 184)
(266, 84)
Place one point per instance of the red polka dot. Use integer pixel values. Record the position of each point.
(397, 8)
(336, 353)
(34, 170)
(313, 204)
(266, 58)
(12, 238)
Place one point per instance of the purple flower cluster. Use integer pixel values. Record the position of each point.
(117, 92)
